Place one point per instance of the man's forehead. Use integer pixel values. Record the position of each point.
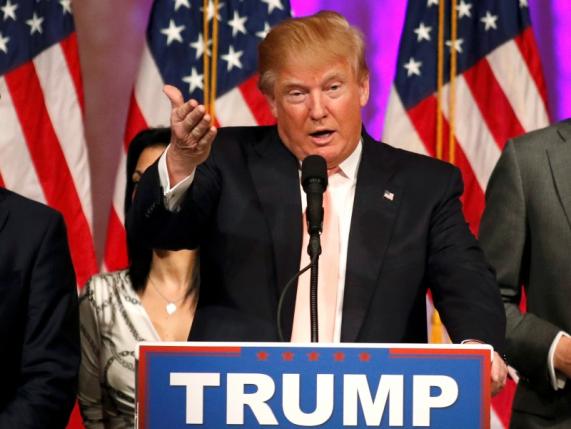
(303, 73)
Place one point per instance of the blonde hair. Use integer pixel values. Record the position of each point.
(315, 39)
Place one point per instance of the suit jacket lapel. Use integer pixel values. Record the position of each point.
(560, 161)
(273, 168)
(374, 212)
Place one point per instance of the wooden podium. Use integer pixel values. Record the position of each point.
(283, 385)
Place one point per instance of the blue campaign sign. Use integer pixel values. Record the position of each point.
(251, 385)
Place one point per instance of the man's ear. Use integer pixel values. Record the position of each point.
(364, 90)
(272, 102)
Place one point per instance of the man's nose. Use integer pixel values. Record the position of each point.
(317, 106)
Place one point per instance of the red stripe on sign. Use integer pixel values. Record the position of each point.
(412, 352)
(528, 48)
(494, 106)
(423, 118)
(2, 184)
(116, 244)
(70, 52)
(50, 164)
(136, 122)
(257, 102)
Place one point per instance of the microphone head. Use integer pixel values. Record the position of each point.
(314, 172)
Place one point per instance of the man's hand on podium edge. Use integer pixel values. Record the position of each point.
(498, 372)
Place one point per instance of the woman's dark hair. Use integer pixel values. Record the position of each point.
(140, 256)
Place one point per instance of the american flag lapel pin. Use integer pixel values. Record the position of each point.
(389, 195)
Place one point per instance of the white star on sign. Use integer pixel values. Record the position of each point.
(263, 33)
(464, 9)
(457, 45)
(199, 46)
(173, 32)
(237, 24)
(66, 6)
(179, 3)
(194, 80)
(273, 4)
(9, 10)
(211, 10)
(432, 2)
(422, 32)
(4, 43)
(490, 21)
(412, 67)
(233, 58)
(35, 24)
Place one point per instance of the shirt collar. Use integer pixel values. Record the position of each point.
(348, 168)
(350, 165)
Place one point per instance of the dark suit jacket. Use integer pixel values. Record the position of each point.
(244, 211)
(39, 330)
(526, 234)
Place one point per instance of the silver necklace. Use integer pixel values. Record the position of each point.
(171, 306)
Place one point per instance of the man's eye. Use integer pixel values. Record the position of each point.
(295, 95)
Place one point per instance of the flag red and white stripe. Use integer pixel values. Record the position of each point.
(43, 153)
(500, 97)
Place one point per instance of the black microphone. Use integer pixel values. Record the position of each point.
(314, 182)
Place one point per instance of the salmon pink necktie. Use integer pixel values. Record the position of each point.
(327, 281)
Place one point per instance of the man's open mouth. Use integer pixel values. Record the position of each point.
(321, 133)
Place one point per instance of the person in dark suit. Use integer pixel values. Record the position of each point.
(526, 235)
(39, 325)
(401, 228)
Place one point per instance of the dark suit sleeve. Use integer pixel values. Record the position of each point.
(50, 354)
(504, 236)
(462, 283)
(158, 228)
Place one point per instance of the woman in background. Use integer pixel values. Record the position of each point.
(153, 300)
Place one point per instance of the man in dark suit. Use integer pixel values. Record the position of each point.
(401, 229)
(39, 329)
(526, 234)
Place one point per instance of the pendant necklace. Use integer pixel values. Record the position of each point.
(171, 306)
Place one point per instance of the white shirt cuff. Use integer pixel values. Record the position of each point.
(172, 197)
(558, 380)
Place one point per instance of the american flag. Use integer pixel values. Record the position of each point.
(43, 154)
(496, 92)
(173, 54)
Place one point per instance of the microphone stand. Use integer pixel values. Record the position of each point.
(314, 250)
